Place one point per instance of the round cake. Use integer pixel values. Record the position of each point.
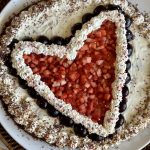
(76, 73)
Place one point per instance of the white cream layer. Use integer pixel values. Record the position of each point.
(51, 28)
(70, 51)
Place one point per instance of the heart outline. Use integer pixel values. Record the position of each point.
(70, 51)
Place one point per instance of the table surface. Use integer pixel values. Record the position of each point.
(6, 142)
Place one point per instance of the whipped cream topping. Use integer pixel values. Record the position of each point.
(24, 25)
(70, 51)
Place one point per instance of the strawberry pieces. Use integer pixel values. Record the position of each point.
(74, 76)
(86, 82)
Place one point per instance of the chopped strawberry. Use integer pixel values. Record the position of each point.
(42, 69)
(64, 96)
(81, 99)
(90, 108)
(90, 90)
(87, 85)
(83, 79)
(98, 34)
(35, 62)
(85, 47)
(96, 115)
(107, 96)
(92, 45)
(85, 82)
(74, 76)
(35, 70)
(42, 59)
(100, 47)
(32, 65)
(103, 32)
(46, 73)
(82, 109)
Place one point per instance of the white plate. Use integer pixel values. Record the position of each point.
(29, 142)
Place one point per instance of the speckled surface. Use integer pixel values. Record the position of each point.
(1, 6)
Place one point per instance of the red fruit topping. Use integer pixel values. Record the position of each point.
(86, 82)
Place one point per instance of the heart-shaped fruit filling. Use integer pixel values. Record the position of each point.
(86, 82)
(83, 79)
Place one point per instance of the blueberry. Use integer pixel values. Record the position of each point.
(76, 27)
(110, 136)
(99, 9)
(68, 39)
(114, 7)
(125, 91)
(129, 36)
(128, 65)
(80, 130)
(130, 49)
(43, 39)
(12, 44)
(27, 39)
(124, 99)
(66, 121)
(52, 111)
(58, 40)
(123, 13)
(120, 121)
(8, 62)
(23, 83)
(111, 7)
(95, 137)
(123, 106)
(119, 9)
(128, 21)
(12, 71)
(33, 93)
(42, 103)
(128, 79)
(87, 17)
